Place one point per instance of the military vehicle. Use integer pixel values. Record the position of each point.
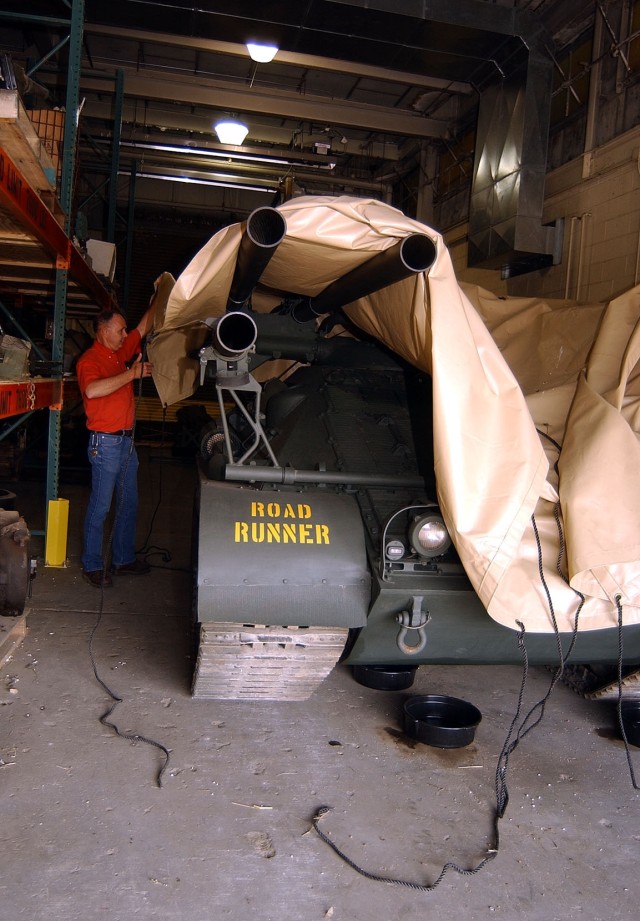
(319, 539)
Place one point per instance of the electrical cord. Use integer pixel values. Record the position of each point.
(518, 729)
(147, 549)
(105, 718)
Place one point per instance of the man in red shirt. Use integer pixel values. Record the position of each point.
(106, 372)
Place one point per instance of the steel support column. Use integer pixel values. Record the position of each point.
(66, 200)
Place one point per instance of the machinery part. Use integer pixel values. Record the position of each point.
(264, 232)
(289, 476)
(409, 256)
(251, 419)
(15, 568)
(252, 662)
(415, 620)
(211, 440)
(385, 677)
(268, 557)
(233, 335)
(281, 336)
(600, 682)
(630, 688)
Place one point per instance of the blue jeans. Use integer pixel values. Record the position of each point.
(114, 466)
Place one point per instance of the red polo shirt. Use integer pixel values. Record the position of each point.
(115, 411)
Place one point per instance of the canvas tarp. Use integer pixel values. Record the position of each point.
(513, 380)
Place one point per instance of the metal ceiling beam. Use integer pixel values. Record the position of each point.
(219, 96)
(304, 61)
(472, 14)
(158, 120)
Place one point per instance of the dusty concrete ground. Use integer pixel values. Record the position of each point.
(88, 833)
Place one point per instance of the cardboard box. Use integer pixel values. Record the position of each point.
(103, 257)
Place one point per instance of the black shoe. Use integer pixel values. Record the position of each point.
(137, 568)
(98, 578)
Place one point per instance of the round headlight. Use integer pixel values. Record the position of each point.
(429, 536)
(394, 550)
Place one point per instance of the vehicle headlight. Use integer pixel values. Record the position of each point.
(428, 535)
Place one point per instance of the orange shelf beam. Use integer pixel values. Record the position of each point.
(18, 397)
(35, 219)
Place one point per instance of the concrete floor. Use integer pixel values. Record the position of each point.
(88, 833)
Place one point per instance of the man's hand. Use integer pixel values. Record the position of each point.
(140, 368)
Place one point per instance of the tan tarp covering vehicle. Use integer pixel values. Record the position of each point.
(513, 379)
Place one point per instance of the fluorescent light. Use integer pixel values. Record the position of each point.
(262, 54)
(222, 183)
(231, 132)
(227, 156)
(206, 152)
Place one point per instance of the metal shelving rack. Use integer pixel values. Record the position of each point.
(37, 254)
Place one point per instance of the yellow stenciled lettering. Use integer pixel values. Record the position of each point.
(273, 532)
(322, 534)
(257, 532)
(305, 533)
(279, 532)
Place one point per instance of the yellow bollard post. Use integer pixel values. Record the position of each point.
(55, 550)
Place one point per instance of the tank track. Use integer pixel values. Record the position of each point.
(255, 662)
(601, 685)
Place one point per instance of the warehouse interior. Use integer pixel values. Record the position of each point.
(510, 127)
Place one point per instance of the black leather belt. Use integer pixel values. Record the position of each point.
(126, 433)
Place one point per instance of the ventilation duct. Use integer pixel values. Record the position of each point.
(507, 193)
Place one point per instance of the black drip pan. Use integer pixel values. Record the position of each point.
(630, 710)
(385, 677)
(440, 720)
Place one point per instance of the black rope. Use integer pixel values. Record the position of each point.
(618, 600)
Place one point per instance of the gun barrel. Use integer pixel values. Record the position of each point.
(263, 234)
(234, 334)
(414, 253)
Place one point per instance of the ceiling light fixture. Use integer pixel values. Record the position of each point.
(260, 53)
(229, 156)
(231, 131)
(220, 183)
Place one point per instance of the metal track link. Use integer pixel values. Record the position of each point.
(253, 662)
(592, 686)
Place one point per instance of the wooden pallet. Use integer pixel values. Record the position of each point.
(254, 662)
